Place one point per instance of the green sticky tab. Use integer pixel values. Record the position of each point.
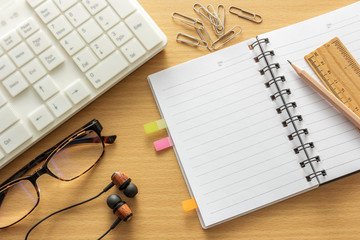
(161, 124)
(151, 127)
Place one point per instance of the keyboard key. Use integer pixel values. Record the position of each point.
(47, 11)
(77, 15)
(6, 67)
(46, 88)
(133, 50)
(34, 3)
(102, 46)
(21, 54)
(72, 43)
(94, 6)
(77, 91)
(59, 104)
(33, 71)
(85, 59)
(2, 155)
(60, 27)
(7, 117)
(90, 30)
(15, 84)
(123, 7)
(64, 4)
(10, 40)
(41, 117)
(120, 34)
(13, 137)
(107, 69)
(143, 30)
(2, 99)
(107, 18)
(1, 51)
(27, 27)
(51, 58)
(39, 42)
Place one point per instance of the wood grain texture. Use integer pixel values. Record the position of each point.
(329, 212)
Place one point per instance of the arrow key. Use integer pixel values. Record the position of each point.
(41, 117)
(59, 104)
(46, 87)
(77, 91)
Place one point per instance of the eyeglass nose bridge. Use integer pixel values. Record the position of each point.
(38, 173)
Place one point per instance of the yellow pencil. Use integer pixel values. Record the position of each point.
(319, 88)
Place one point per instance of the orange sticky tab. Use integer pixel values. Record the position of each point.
(189, 205)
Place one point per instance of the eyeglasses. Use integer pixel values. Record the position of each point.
(66, 161)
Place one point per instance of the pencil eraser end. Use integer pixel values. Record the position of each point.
(163, 144)
(189, 205)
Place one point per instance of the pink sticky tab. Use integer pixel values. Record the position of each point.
(163, 144)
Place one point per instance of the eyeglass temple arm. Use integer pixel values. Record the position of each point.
(23, 170)
(28, 166)
(42, 157)
(106, 139)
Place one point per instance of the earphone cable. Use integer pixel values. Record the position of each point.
(111, 228)
(67, 208)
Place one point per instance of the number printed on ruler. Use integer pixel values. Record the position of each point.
(339, 72)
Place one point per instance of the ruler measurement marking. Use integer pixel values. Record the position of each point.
(334, 56)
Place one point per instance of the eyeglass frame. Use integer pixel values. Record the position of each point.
(46, 156)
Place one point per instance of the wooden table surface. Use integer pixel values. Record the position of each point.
(329, 212)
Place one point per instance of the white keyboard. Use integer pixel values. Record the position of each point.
(56, 56)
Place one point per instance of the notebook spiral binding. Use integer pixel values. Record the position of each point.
(285, 107)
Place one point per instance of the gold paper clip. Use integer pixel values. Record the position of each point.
(253, 17)
(226, 37)
(190, 40)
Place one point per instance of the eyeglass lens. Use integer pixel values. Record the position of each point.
(17, 201)
(70, 161)
(77, 156)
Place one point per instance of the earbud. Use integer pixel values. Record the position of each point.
(119, 207)
(124, 183)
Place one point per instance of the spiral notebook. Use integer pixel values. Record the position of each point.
(247, 131)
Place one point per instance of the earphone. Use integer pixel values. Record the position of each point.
(120, 208)
(124, 184)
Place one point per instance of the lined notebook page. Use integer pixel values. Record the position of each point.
(230, 144)
(336, 140)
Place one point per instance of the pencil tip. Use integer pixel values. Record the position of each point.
(289, 62)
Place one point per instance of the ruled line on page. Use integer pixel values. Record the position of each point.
(338, 144)
(233, 193)
(214, 100)
(236, 161)
(235, 121)
(243, 169)
(244, 59)
(320, 34)
(266, 192)
(236, 141)
(214, 109)
(234, 131)
(247, 178)
(333, 157)
(214, 81)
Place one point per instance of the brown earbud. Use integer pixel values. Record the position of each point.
(119, 207)
(124, 183)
